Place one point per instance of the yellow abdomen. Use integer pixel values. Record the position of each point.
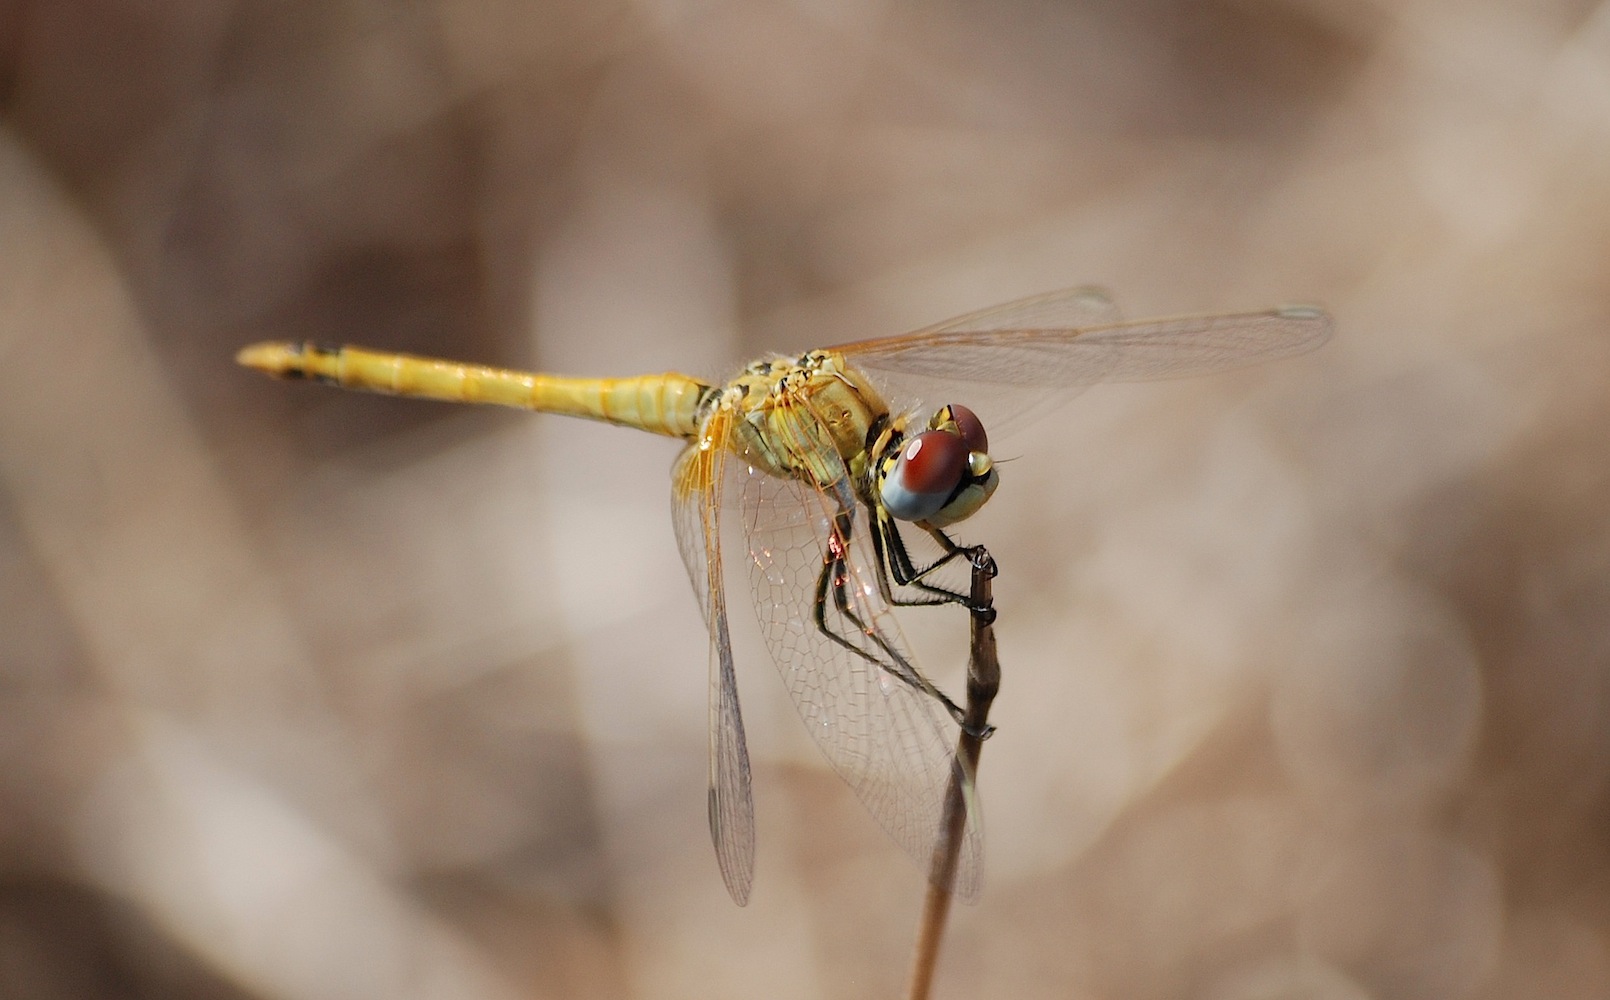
(663, 404)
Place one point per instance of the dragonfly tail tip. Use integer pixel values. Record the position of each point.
(268, 358)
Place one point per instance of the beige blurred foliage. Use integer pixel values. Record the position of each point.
(309, 695)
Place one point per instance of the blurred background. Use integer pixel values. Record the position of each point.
(306, 694)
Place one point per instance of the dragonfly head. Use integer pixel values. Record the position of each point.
(941, 475)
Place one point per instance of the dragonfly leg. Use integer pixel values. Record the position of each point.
(834, 583)
(896, 561)
(894, 564)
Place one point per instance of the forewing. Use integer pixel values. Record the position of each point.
(1021, 359)
(1068, 339)
(696, 493)
(1084, 306)
(892, 743)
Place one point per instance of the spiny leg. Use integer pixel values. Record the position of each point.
(892, 554)
(834, 579)
(894, 564)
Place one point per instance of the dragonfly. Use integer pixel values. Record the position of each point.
(828, 461)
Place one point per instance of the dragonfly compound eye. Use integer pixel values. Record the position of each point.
(925, 476)
(968, 426)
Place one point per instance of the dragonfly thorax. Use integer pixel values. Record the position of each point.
(806, 417)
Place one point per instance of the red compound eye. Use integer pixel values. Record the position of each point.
(970, 427)
(930, 467)
(932, 462)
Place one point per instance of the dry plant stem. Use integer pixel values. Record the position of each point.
(983, 680)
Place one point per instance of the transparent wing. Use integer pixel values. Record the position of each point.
(1084, 306)
(1015, 362)
(845, 662)
(696, 490)
(1069, 339)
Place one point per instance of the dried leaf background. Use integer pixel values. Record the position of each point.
(305, 695)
